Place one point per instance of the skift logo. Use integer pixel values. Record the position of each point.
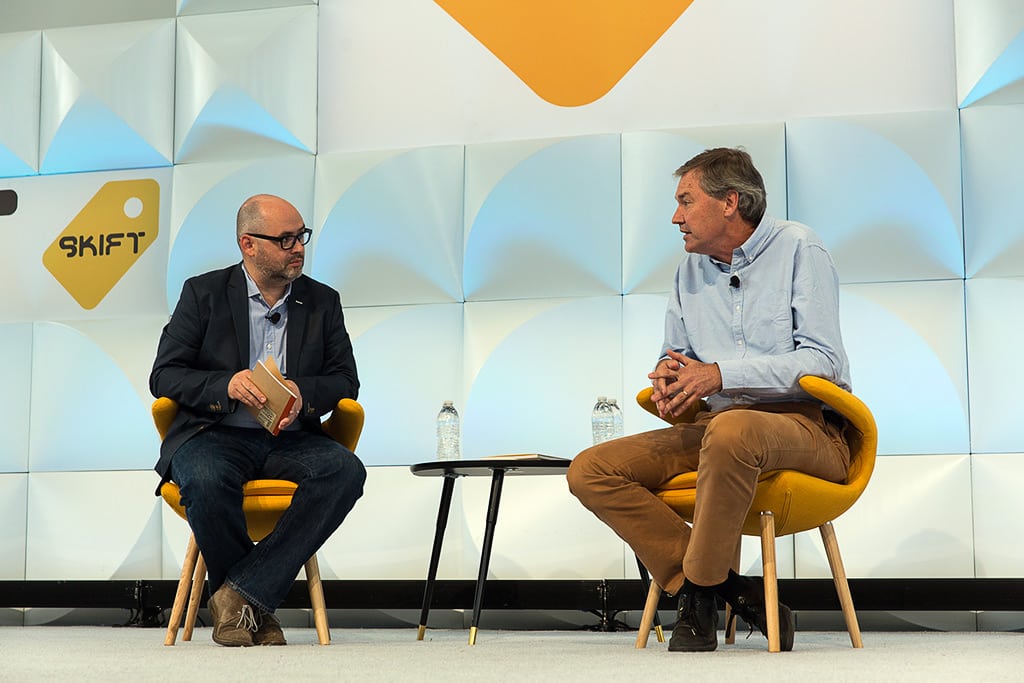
(105, 239)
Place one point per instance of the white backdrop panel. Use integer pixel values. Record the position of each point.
(410, 362)
(542, 532)
(998, 522)
(34, 293)
(643, 327)
(913, 521)
(534, 369)
(388, 534)
(543, 222)
(245, 84)
(93, 525)
(993, 159)
(16, 350)
(908, 360)
(390, 226)
(86, 414)
(419, 54)
(206, 201)
(107, 97)
(651, 244)
(186, 7)
(13, 510)
(993, 306)
(20, 73)
(882, 191)
(989, 51)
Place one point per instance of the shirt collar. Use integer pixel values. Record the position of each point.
(756, 243)
(253, 292)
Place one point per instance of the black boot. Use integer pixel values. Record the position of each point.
(745, 594)
(696, 629)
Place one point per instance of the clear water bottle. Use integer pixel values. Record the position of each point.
(602, 421)
(617, 426)
(448, 432)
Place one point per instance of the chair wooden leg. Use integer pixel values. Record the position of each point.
(187, 567)
(195, 597)
(771, 581)
(650, 607)
(316, 599)
(730, 624)
(835, 561)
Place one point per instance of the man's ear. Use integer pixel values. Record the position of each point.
(732, 202)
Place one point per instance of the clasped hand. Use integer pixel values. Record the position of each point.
(680, 381)
(242, 389)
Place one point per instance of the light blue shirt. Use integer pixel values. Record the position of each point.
(266, 338)
(780, 323)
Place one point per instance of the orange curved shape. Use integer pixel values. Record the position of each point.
(569, 52)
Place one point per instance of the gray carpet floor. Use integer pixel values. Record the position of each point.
(103, 653)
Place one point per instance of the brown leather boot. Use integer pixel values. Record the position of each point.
(233, 618)
(269, 632)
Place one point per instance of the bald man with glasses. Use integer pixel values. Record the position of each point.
(225, 321)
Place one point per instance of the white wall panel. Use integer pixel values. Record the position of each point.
(989, 51)
(20, 73)
(93, 525)
(651, 244)
(882, 191)
(245, 84)
(993, 162)
(908, 358)
(542, 532)
(913, 521)
(389, 226)
(16, 349)
(388, 534)
(86, 413)
(107, 97)
(187, 7)
(410, 361)
(206, 201)
(998, 522)
(543, 219)
(993, 314)
(534, 369)
(13, 507)
(643, 328)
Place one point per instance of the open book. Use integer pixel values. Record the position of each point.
(523, 456)
(280, 398)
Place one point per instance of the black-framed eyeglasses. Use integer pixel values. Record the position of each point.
(286, 242)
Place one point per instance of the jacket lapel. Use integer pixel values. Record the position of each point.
(296, 325)
(237, 301)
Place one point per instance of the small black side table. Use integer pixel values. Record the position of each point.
(496, 469)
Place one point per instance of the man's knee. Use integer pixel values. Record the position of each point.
(731, 436)
(582, 474)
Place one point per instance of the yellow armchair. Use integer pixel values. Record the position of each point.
(788, 502)
(263, 501)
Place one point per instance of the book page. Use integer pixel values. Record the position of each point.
(280, 398)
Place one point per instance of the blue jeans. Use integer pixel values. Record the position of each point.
(210, 469)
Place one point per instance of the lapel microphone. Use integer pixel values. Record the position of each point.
(273, 317)
(734, 281)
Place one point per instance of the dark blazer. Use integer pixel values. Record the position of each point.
(206, 342)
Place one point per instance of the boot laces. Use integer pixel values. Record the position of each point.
(248, 619)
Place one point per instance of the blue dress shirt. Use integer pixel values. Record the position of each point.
(767, 318)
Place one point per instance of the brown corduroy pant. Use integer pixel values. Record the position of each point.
(728, 450)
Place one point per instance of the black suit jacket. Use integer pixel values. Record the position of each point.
(206, 342)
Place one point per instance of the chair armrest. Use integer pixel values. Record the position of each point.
(345, 423)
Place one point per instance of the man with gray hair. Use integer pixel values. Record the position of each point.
(754, 307)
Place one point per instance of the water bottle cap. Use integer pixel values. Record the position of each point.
(602, 399)
(448, 404)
